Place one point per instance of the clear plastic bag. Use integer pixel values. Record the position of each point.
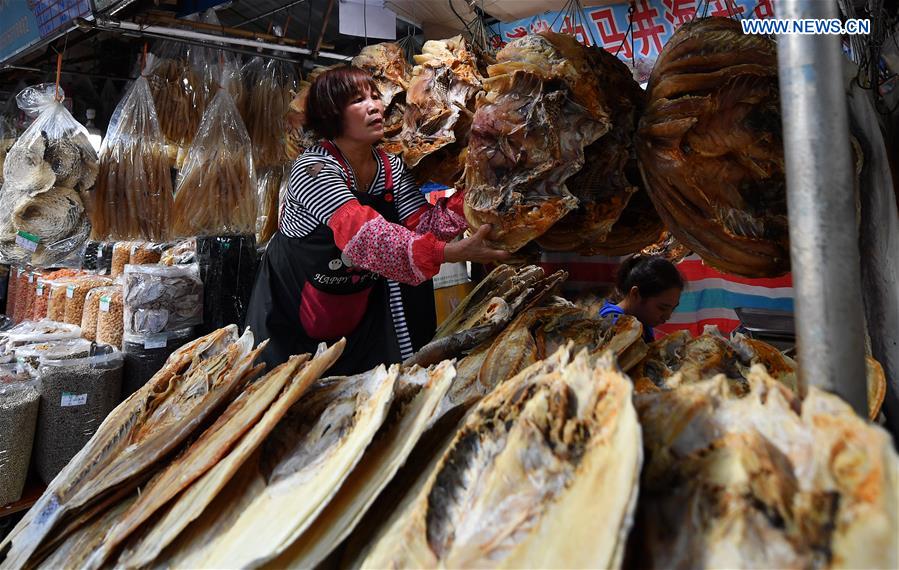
(133, 195)
(29, 356)
(46, 175)
(216, 193)
(7, 139)
(91, 314)
(159, 298)
(182, 253)
(268, 87)
(19, 403)
(110, 319)
(76, 293)
(35, 332)
(121, 255)
(146, 253)
(269, 198)
(76, 396)
(177, 90)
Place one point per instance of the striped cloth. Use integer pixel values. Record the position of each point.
(709, 298)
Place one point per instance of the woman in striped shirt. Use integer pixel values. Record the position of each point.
(357, 242)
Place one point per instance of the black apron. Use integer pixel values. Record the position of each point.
(305, 294)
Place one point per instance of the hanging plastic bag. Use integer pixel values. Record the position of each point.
(215, 65)
(269, 194)
(133, 196)
(177, 90)
(47, 173)
(216, 192)
(7, 139)
(268, 90)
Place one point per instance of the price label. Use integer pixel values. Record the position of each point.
(156, 341)
(31, 277)
(70, 291)
(104, 303)
(40, 288)
(27, 241)
(69, 399)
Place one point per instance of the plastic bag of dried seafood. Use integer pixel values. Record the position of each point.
(29, 356)
(146, 253)
(91, 315)
(7, 139)
(77, 291)
(76, 396)
(181, 253)
(272, 181)
(32, 333)
(97, 257)
(268, 87)
(46, 174)
(132, 198)
(110, 318)
(160, 298)
(177, 91)
(216, 190)
(18, 416)
(146, 353)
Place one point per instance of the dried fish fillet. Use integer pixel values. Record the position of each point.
(196, 380)
(197, 497)
(305, 460)
(544, 456)
(407, 421)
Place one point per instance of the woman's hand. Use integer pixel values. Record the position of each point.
(474, 249)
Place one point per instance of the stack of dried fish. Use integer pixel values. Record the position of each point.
(679, 359)
(133, 196)
(440, 103)
(216, 192)
(527, 477)
(544, 105)
(195, 384)
(160, 298)
(387, 65)
(763, 480)
(710, 147)
(47, 173)
(264, 104)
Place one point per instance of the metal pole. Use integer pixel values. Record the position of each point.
(822, 208)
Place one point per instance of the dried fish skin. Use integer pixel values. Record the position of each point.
(386, 62)
(518, 473)
(710, 149)
(304, 462)
(763, 480)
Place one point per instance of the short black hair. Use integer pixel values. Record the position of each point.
(650, 274)
(329, 95)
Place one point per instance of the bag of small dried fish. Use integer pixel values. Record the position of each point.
(216, 190)
(46, 174)
(133, 195)
(160, 298)
(18, 415)
(91, 314)
(110, 319)
(264, 104)
(31, 333)
(76, 396)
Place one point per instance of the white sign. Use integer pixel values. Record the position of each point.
(367, 18)
(70, 291)
(156, 341)
(104, 303)
(27, 241)
(69, 399)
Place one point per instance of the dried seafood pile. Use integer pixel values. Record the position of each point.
(710, 147)
(178, 93)
(216, 193)
(543, 106)
(440, 103)
(385, 468)
(133, 195)
(159, 298)
(763, 480)
(47, 173)
(391, 72)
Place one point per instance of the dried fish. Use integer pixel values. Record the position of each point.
(159, 298)
(544, 456)
(264, 103)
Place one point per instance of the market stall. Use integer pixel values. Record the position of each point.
(757, 429)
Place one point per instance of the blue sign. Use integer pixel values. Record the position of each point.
(651, 24)
(25, 22)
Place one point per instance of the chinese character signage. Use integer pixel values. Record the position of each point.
(24, 22)
(651, 24)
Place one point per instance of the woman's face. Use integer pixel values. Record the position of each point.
(363, 118)
(655, 311)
